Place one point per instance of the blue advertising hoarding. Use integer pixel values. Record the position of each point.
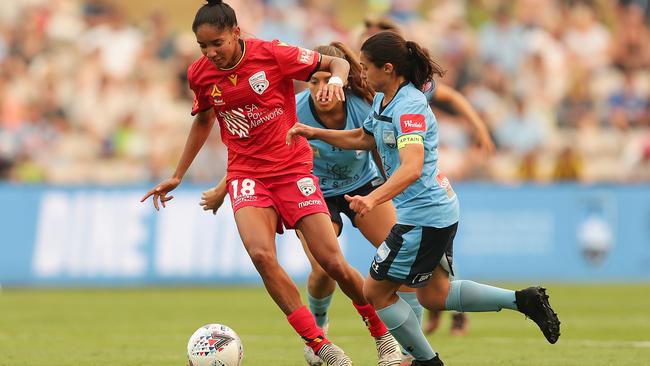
(93, 236)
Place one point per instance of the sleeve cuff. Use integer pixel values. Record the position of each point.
(200, 110)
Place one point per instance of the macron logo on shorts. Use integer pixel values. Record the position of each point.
(412, 123)
(307, 203)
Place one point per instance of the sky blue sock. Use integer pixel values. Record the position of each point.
(319, 307)
(412, 299)
(403, 325)
(476, 297)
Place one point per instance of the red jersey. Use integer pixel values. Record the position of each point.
(255, 106)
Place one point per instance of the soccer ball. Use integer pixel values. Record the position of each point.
(215, 345)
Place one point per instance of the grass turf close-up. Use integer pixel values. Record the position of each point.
(601, 325)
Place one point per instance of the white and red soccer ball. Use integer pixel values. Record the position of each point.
(215, 345)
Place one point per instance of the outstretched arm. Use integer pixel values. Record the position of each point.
(446, 94)
(356, 139)
(411, 161)
(199, 132)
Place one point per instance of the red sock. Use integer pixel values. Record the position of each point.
(370, 317)
(305, 325)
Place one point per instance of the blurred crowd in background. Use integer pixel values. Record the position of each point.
(90, 95)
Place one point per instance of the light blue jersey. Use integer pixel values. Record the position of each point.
(430, 200)
(339, 171)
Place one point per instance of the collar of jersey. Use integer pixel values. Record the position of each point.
(243, 53)
(382, 109)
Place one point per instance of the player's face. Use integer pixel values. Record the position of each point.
(376, 77)
(317, 80)
(219, 45)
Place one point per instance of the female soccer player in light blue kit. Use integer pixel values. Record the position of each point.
(342, 172)
(404, 131)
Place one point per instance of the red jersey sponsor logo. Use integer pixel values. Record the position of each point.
(240, 121)
(305, 56)
(236, 122)
(412, 123)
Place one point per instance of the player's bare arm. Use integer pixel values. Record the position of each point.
(199, 132)
(213, 198)
(446, 94)
(339, 68)
(411, 161)
(355, 139)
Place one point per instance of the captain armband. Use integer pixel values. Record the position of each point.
(409, 139)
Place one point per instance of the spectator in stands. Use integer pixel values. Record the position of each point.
(501, 41)
(626, 106)
(568, 166)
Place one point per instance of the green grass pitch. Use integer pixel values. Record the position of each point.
(601, 325)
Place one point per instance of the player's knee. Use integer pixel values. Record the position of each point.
(376, 297)
(319, 274)
(335, 269)
(262, 258)
(434, 301)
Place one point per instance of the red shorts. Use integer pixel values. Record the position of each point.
(293, 196)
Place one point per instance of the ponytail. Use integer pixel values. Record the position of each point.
(422, 68)
(407, 57)
(356, 85)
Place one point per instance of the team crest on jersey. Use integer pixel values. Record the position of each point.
(388, 136)
(216, 95)
(306, 186)
(233, 79)
(258, 82)
(382, 253)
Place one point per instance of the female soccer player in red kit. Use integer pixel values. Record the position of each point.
(247, 85)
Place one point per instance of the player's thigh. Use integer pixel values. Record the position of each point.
(312, 261)
(257, 226)
(434, 295)
(320, 237)
(376, 224)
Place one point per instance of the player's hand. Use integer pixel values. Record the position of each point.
(299, 130)
(327, 92)
(212, 199)
(361, 204)
(160, 192)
